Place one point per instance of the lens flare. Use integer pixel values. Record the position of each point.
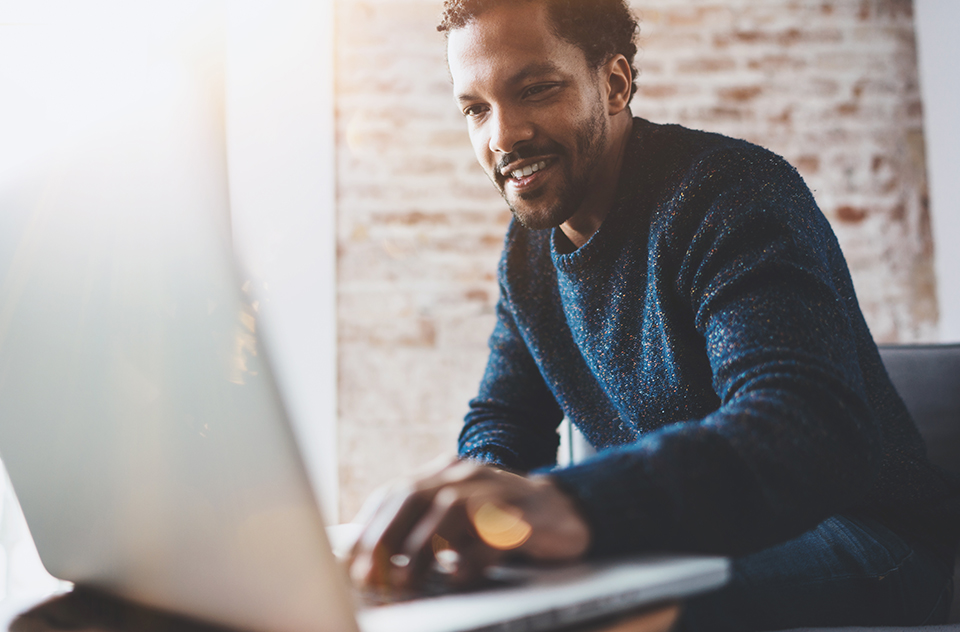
(501, 527)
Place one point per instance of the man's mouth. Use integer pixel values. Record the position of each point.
(530, 169)
(522, 176)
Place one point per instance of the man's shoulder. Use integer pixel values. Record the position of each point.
(682, 168)
(684, 139)
(675, 149)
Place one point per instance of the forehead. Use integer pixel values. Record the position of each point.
(505, 43)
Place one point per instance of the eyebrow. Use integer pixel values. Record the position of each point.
(531, 70)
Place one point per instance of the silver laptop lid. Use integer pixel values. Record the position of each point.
(141, 427)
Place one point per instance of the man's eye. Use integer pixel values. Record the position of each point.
(474, 111)
(540, 89)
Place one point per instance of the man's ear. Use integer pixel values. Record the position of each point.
(619, 80)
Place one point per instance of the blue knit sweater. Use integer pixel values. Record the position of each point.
(708, 342)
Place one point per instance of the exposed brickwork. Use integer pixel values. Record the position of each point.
(830, 85)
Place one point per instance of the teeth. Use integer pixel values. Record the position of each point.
(528, 170)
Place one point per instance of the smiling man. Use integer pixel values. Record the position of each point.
(680, 298)
(548, 128)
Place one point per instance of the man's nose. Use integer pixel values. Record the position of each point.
(508, 129)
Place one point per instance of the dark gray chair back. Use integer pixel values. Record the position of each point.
(928, 379)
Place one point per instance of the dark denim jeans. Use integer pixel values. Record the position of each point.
(845, 572)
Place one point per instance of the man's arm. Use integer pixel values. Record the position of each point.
(512, 423)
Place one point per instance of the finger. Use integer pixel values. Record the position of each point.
(359, 561)
(447, 538)
(386, 532)
(394, 517)
(442, 524)
(372, 506)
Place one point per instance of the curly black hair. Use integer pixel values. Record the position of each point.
(600, 28)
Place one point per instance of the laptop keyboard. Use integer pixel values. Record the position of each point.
(436, 584)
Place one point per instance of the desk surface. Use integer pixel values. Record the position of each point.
(86, 611)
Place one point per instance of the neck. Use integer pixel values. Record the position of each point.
(603, 186)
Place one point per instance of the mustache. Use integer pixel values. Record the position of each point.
(528, 151)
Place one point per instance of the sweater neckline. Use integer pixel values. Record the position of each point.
(604, 240)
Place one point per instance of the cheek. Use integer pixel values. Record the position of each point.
(481, 149)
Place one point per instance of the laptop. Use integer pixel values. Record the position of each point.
(144, 433)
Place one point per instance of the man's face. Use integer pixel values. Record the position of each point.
(536, 111)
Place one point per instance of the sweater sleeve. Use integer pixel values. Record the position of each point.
(750, 265)
(512, 423)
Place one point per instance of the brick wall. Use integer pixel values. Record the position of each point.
(832, 86)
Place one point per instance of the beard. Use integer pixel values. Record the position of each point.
(575, 175)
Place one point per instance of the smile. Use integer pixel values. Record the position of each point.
(526, 176)
(528, 170)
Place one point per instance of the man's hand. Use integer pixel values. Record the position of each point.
(465, 517)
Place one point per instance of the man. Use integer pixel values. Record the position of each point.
(678, 296)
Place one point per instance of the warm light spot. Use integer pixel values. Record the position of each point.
(501, 527)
